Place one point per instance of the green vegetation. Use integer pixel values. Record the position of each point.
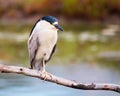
(74, 51)
(21, 28)
(73, 10)
(83, 9)
(13, 52)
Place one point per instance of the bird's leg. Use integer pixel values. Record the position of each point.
(43, 66)
(43, 71)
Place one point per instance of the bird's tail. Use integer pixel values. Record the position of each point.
(37, 65)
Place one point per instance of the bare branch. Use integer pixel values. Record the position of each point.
(61, 81)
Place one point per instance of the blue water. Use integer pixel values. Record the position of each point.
(20, 85)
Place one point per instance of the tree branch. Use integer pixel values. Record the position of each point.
(61, 81)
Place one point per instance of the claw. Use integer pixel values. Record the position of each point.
(50, 75)
(43, 72)
(44, 75)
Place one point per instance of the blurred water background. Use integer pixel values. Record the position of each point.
(88, 51)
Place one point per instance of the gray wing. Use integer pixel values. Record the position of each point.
(33, 45)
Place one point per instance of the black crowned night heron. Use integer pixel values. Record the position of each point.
(42, 42)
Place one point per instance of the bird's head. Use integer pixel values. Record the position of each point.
(53, 22)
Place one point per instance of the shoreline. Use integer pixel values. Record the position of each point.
(62, 20)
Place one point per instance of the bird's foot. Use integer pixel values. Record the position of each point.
(44, 75)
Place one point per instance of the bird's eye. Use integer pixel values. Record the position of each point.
(51, 23)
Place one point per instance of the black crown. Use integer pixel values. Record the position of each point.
(50, 19)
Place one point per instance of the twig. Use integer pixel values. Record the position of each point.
(61, 81)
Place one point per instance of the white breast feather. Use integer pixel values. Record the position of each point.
(47, 38)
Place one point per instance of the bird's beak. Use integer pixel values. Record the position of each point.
(58, 27)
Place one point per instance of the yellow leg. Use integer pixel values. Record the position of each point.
(43, 67)
(43, 72)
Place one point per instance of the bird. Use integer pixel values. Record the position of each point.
(42, 42)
